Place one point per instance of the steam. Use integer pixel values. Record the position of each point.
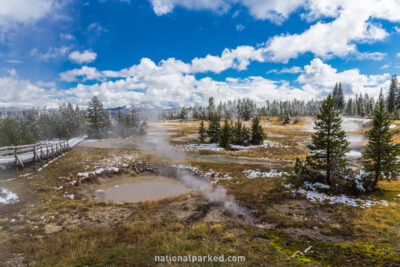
(156, 142)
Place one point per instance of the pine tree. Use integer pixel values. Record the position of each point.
(257, 133)
(381, 153)
(226, 135)
(96, 118)
(286, 118)
(214, 129)
(202, 133)
(340, 98)
(211, 107)
(391, 101)
(335, 95)
(329, 144)
(237, 133)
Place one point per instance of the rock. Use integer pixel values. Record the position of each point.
(52, 228)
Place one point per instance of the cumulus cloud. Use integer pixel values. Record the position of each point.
(171, 83)
(23, 93)
(352, 25)
(82, 57)
(85, 73)
(319, 79)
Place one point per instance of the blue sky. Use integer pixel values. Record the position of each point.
(180, 52)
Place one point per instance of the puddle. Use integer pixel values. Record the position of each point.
(141, 188)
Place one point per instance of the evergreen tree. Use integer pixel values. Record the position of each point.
(340, 98)
(335, 95)
(237, 133)
(286, 118)
(202, 133)
(214, 129)
(96, 118)
(381, 153)
(329, 144)
(391, 100)
(257, 133)
(184, 114)
(226, 135)
(211, 108)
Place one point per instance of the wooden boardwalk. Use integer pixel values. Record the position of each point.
(19, 156)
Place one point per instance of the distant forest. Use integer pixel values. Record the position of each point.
(244, 109)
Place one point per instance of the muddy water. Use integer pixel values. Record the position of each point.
(142, 188)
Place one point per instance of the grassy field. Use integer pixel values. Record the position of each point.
(56, 224)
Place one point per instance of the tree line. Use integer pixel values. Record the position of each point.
(33, 126)
(66, 122)
(231, 134)
(361, 105)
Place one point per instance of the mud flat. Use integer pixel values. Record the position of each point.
(139, 189)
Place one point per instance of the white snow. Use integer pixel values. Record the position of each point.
(76, 140)
(212, 147)
(70, 196)
(315, 185)
(257, 173)
(97, 171)
(216, 147)
(7, 197)
(354, 154)
(313, 195)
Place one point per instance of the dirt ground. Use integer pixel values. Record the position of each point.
(58, 220)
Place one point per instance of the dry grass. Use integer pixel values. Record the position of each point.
(367, 236)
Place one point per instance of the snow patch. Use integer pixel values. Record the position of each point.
(70, 196)
(354, 154)
(7, 197)
(216, 147)
(97, 171)
(257, 173)
(313, 195)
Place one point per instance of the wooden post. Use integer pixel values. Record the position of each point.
(34, 157)
(16, 161)
(41, 155)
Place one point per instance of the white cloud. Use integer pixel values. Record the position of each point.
(240, 27)
(21, 93)
(238, 58)
(338, 37)
(22, 11)
(292, 70)
(82, 57)
(13, 61)
(398, 54)
(319, 79)
(274, 10)
(52, 53)
(67, 36)
(86, 73)
(386, 66)
(170, 83)
(377, 56)
(352, 23)
(96, 28)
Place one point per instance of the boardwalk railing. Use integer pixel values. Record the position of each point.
(20, 155)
